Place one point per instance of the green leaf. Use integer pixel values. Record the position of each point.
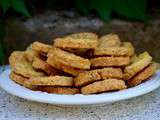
(103, 7)
(135, 9)
(2, 55)
(2, 35)
(20, 7)
(5, 4)
(82, 6)
(105, 14)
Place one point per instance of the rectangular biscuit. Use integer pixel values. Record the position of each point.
(67, 69)
(20, 65)
(139, 63)
(51, 81)
(78, 40)
(20, 80)
(30, 53)
(68, 59)
(98, 74)
(41, 47)
(126, 49)
(143, 75)
(16, 56)
(109, 40)
(59, 90)
(108, 61)
(103, 86)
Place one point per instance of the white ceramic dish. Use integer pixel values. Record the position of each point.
(104, 98)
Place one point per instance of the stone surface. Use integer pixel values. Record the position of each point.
(45, 27)
(146, 107)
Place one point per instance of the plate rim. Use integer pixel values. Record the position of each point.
(152, 84)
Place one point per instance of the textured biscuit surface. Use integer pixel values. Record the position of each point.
(16, 56)
(110, 61)
(103, 86)
(20, 80)
(81, 63)
(109, 40)
(51, 81)
(26, 69)
(21, 66)
(68, 59)
(83, 35)
(41, 47)
(139, 63)
(143, 75)
(30, 53)
(67, 69)
(58, 90)
(98, 74)
(126, 49)
(42, 65)
(78, 40)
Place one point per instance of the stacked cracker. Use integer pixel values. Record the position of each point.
(107, 60)
(80, 63)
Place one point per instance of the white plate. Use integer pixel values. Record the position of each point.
(104, 98)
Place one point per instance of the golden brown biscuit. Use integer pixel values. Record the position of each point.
(110, 61)
(98, 74)
(126, 49)
(41, 47)
(109, 40)
(78, 40)
(65, 68)
(58, 90)
(21, 66)
(143, 75)
(42, 65)
(30, 54)
(138, 64)
(68, 59)
(103, 86)
(20, 80)
(26, 69)
(133, 57)
(16, 56)
(83, 35)
(51, 81)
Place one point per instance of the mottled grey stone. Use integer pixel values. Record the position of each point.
(146, 107)
(49, 25)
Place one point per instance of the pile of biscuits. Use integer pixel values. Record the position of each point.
(81, 63)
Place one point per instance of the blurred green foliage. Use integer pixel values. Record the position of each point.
(2, 35)
(17, 5)
(131, 9)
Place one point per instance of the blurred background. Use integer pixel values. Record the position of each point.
(25, 21)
